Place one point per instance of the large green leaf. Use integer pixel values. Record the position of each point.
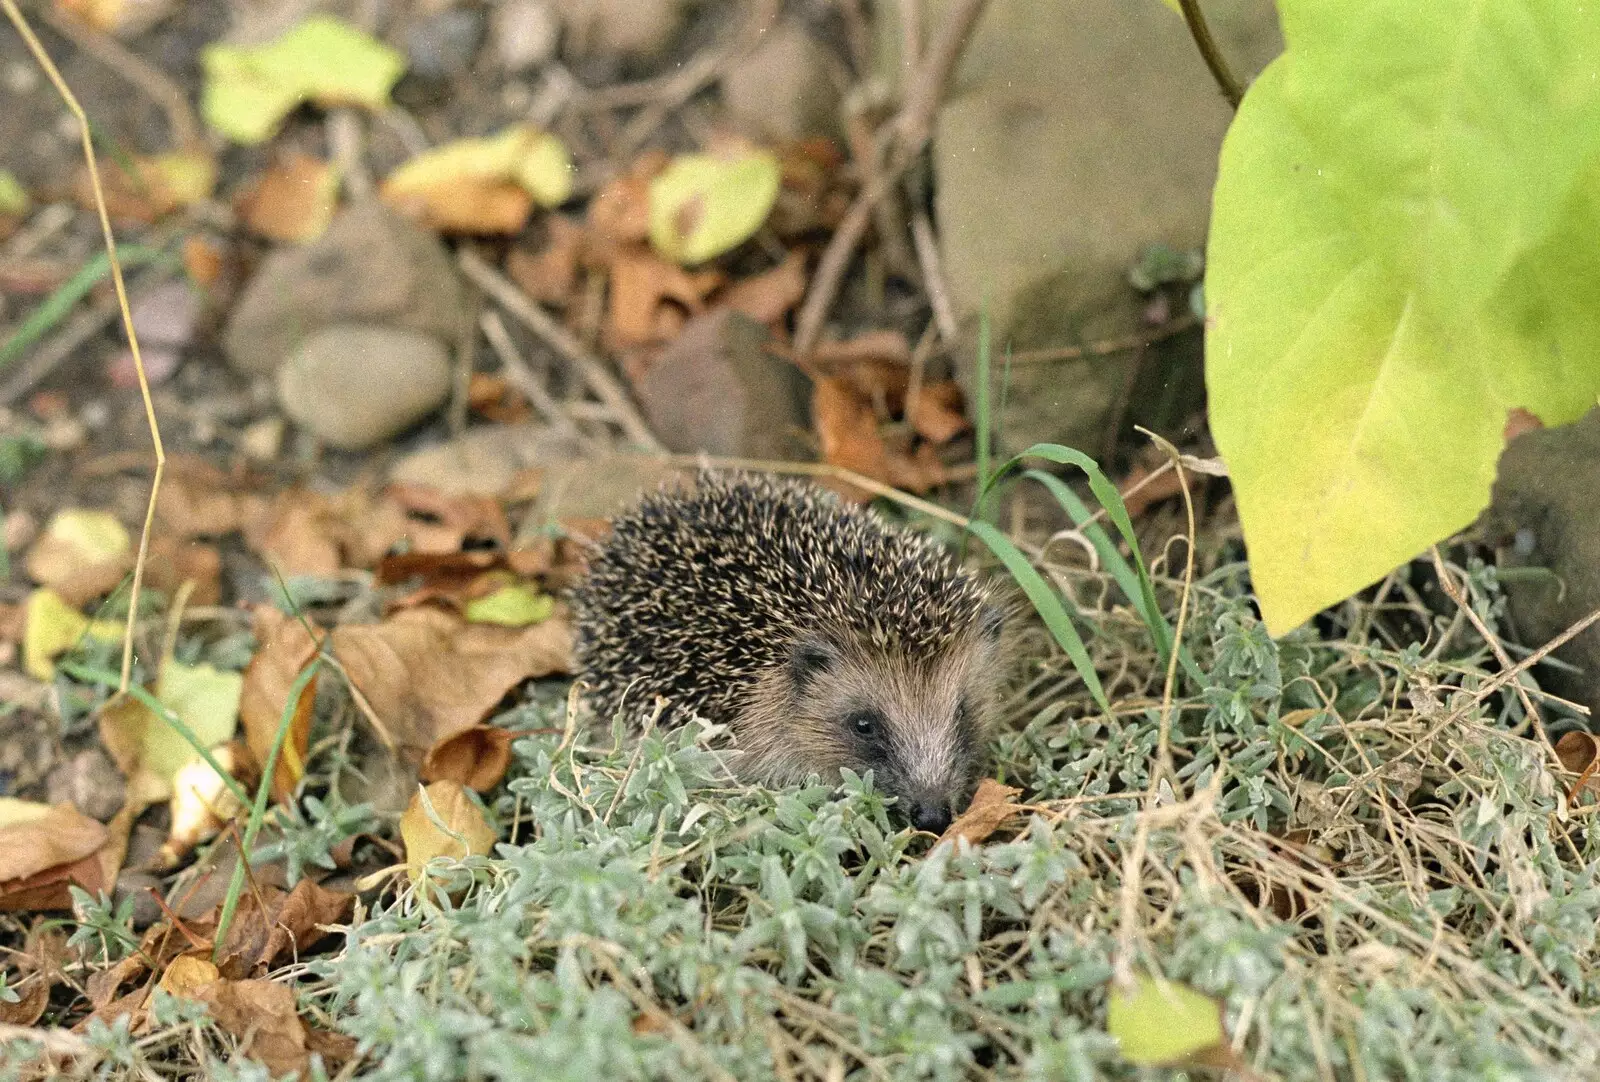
(1402, 250)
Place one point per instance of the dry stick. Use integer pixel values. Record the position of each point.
(185, 128)
(933, 275)
(520, 376)
(1226, 82)
(1108, 346)
(466, 349)
(593, 370)
(910, 129)
(1164, 744)
(82, 118)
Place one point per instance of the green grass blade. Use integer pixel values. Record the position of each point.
(55, 307)
(1047, 602)
(107, 679)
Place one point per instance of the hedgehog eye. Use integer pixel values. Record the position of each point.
(863, 723)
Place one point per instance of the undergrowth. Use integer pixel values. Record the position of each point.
(1363, 859)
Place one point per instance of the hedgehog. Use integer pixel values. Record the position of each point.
(820, 635)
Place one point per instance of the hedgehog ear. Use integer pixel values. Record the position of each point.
(811, 656)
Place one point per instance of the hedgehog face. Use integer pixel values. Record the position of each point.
(919, 723)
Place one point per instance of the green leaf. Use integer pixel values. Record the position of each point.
(702, 205)
(250, 89)
(1163, 1023)
(13, 197)
(511, 606)
(1403, 249)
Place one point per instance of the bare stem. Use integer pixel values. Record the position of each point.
(1230, 86)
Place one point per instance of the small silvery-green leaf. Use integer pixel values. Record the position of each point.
(511, 606)
(702, 205)
(1403, 249)
(1161, 1023)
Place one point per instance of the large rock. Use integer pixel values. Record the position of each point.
(1076, 135)
(1546, 504)
(716, 389)
(355, 385)
(370, 266)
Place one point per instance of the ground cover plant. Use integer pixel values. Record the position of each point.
(323, 801)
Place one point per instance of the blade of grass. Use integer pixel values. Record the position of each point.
(258, 810)
(1048, 603)
(56, 307)
(984, 421)
(112, 681)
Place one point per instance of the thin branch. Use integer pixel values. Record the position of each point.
(1227, 82)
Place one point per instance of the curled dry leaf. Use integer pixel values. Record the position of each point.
(171, 562)
(186, 973)
(483, 185)
(493, 398)
(286, 649)
(938, 415)
(428, 675)
(299, 534)
(45, 850)
(477, 758)
(442, 821)
(1578, 752)
(848, 432)
(292, 201)
(641, 283)
(991, 806)
(261, 1016)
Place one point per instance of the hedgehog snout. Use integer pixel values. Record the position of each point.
(930, 814)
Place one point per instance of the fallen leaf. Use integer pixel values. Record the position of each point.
(640, 282)
(261, 1016)
(186, 973)
(80, 554)
(991, 806)
(1161, 1023)
(198, 501)
(121, 18)
(44, 852)
(444, 521)
(202, 261)
(292, 201)
(52, 627)
(1139, 498)
(428, 675)
(14, 201)
(550, 275)
(148, 749)
(938, 415)
(248, 90)
(516, 605)
(619, 213)
(702, 205)
(286, 648)
(483, 185)
(171, 562)
(152, 188)
(493, 398)
(767, 297)
(1579, 752)
(455, 828)
(848, 432)
(477, 758)
(298, 534)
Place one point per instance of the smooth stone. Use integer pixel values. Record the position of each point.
(356, 385)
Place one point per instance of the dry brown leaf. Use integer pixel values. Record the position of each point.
(427, 675)
(81, 554)
(991, 806)
(620, 211)
(286, 649)
(848, 432)
(494, 398)
(458, 577)
(477, 758)
(465, 832)
(917, 471)
(443, 522)
(203, 261)
(641, 284)
(1578, 752)
(33, 995)
(186, 973)
(767, 297)
(199, 500)
(1161, 488)
(938, 415)
(550, 276)
(292, 201)
(155, 187)
(44, 856)
(304, 916)
(298, 534)
(172, 562)
(261, 1016)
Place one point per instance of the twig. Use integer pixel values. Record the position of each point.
(593, 370)
(345, 139)
(466, 348)
(908, 131)
(185, 127)
(1164, 744)
(933, 275)
(1108, 346)
(520, 376)
(1226, 82)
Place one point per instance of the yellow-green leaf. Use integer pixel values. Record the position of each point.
(484, 185)
(442, 821)
(51, 627)
(511, 606)
(702, 205)
(148, 748)
(546, 171)
(1161, 1023)
(250, 89)
(13, 197)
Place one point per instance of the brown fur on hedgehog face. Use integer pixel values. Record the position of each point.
(921, 724)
